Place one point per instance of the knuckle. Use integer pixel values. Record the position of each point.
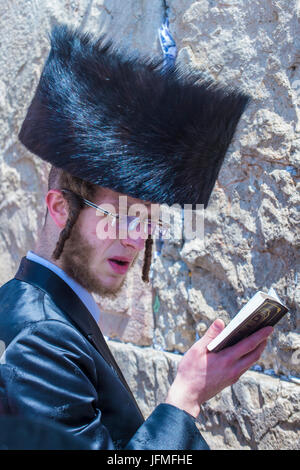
(193, 354)
(235, 379)
(236, 375)
(227, 361)
(237, 372)
(253, 342)
(257, 356)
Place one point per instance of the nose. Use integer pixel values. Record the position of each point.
(137, 244)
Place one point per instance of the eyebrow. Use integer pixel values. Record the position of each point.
(147, 204)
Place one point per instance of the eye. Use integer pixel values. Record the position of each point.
(132, 222)
(100, 213)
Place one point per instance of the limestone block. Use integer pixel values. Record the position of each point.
(174, 325)
(133, 29)
(257, 412)
(128, 316)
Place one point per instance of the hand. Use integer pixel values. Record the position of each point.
(202, 374)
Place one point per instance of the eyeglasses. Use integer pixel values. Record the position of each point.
(155, 228)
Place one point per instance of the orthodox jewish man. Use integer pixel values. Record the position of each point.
(111, 125)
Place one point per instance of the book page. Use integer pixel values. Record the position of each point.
(273, 294)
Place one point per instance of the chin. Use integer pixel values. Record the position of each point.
(110, 285)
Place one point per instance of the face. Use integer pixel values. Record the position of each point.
(100, 265)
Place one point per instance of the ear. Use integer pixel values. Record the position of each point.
(57, 207)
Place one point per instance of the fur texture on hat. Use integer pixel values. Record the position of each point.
(123, 123)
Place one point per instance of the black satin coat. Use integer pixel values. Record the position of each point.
(58, 366)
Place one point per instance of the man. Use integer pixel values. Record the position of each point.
(111, 126)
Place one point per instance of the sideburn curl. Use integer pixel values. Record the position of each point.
(147, 259)
(75, 205)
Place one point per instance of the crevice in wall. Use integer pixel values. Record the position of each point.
(86, 15)
(255, 368)
(166, 9)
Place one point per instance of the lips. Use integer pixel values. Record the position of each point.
(119, 264)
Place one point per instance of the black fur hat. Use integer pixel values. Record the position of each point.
(128, 124)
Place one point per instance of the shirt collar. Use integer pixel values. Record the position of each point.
(82, 293)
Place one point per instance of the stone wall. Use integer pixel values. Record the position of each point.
(251, 225)
(258, 412)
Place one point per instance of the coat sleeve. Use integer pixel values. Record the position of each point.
(49, 373)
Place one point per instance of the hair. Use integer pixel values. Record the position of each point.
(60, 179)
(147, 259)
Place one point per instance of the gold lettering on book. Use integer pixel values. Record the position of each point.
(263, 317)
(265, 311)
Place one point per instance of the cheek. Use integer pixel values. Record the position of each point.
(104, 231)
(100, 246)
(93, 230)
(97, 246)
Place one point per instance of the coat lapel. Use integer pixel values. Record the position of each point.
(67, 300)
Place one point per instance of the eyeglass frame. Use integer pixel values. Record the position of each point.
(106, 212)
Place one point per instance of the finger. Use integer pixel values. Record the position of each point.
(251, 358)
(250, 343)
(215, 328)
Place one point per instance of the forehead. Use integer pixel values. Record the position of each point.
(109, 196)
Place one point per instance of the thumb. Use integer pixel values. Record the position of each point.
(215, 328)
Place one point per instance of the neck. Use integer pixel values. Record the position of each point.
(45, 248)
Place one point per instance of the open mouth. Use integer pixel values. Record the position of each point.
(121, 263)
(119, 266)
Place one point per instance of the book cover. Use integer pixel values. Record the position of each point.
(266, 314)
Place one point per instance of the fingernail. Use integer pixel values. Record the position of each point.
(219, 324)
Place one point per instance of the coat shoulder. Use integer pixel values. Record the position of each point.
(23, 304)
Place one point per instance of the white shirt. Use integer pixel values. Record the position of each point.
(82, 293)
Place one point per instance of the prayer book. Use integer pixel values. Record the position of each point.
(261, 310)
